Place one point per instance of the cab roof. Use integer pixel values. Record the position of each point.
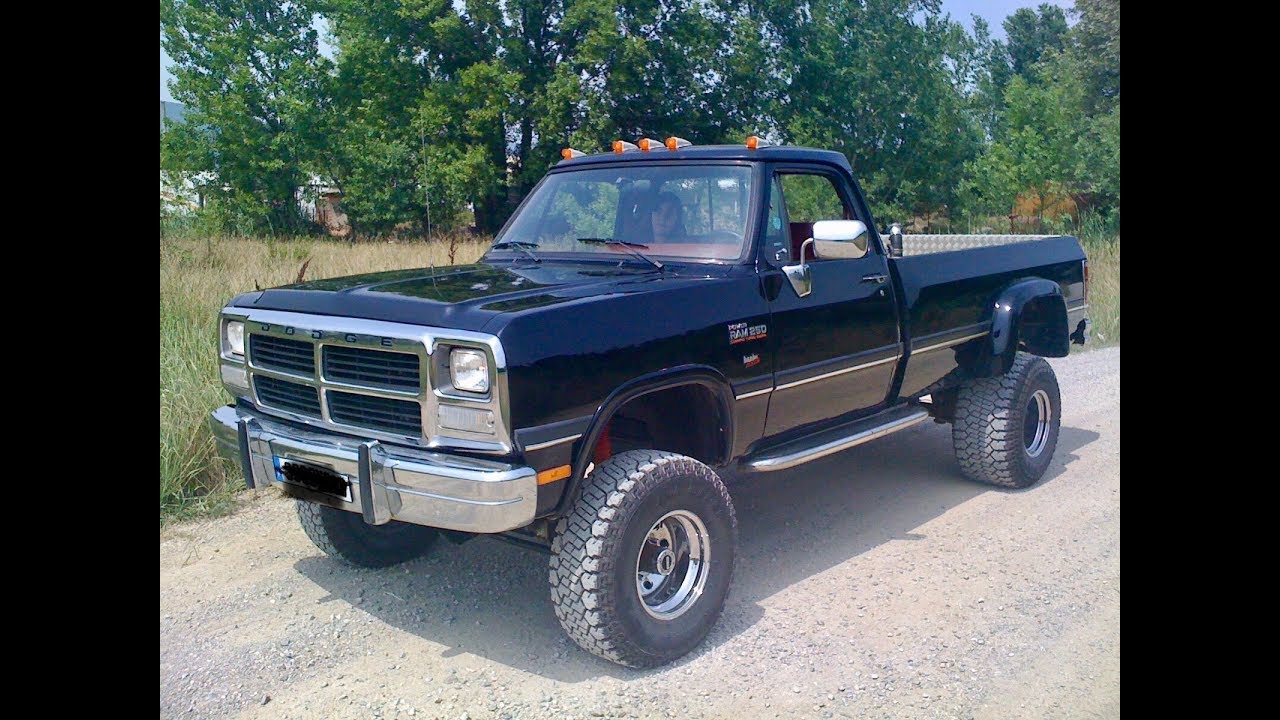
(772, 153)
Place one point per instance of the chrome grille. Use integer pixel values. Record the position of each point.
(376, 368)
(277, 353)
(367, 377)
(375, 413)
(285, 395)
(352, 386)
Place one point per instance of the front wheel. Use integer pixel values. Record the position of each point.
(640, 569)
(347, 537)
(1006, 428)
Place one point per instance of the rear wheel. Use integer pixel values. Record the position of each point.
(1006, 428)
(641, 568)
(347, 537)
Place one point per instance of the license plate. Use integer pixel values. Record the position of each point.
(314, 478)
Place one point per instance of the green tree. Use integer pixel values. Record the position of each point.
(1037, 151)
(984, 72)
(875, 82)
(254, 84)
(537, 39)
(1034, 33)
(1094, 58)
(659, 71)
(587, 72)
(1099, 153)
(419, 121)
(1096, 50)
(1058, 127)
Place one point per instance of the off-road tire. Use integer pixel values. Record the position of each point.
(347, 537)
(992, 441)
(596, 548)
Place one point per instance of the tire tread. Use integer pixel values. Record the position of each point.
(586, 548)
(337, 534)
(987, 432)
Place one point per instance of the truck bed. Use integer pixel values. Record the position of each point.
(949, 285)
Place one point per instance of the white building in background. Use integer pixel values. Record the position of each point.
(172, 111)
(177, 190)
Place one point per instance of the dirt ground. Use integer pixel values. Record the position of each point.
(877, 583)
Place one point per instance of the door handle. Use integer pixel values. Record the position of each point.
(875, 278)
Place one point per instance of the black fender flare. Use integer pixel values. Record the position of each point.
(1007, 318)
(702, 375)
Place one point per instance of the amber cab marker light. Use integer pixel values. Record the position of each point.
(621, 146)
(647, 144)
(754, 143)
(570, 153)
(674, 143)
(554, 474)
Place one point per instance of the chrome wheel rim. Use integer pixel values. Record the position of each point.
(1035, 423)
(672, 564)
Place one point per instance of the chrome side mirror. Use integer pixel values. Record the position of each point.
(798, 275)
(832, 240)
(840, 239)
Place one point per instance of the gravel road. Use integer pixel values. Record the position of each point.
(874, 583)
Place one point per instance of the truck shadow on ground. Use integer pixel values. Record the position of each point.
(491, 599)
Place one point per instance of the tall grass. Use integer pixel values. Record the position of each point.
(1104, 288)
(197, 276)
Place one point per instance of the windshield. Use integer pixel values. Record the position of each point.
(676, 211)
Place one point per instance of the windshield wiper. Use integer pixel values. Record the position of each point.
(520, 245)
(628, 246)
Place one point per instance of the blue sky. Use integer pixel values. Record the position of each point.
(995, 11)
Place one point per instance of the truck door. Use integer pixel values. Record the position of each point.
(836, 348)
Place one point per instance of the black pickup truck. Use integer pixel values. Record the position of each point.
(647, 320)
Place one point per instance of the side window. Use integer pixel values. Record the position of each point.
(776, 244)
(810, 198)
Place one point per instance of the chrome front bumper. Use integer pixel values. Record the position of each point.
(387, 483)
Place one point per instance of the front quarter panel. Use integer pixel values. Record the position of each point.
(564, 361)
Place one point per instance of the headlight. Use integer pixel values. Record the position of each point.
(469, 370)
(235, 338)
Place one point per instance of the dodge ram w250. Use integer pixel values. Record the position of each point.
(647, 320)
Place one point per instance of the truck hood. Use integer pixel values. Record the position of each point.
(467, 297)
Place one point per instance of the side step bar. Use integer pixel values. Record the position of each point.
(829, 442)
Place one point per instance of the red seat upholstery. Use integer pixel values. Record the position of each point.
(801, 231)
